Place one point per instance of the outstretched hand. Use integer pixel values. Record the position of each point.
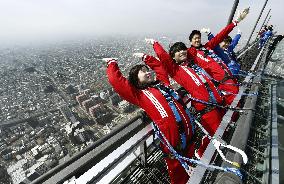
(242, 15)
(150, 41)
(205, 30)
(138, 55)
(109, 59)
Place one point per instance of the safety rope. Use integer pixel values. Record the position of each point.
(200, 70)
(217, 105)
(217, 144)
(183, 160)
(242, 94)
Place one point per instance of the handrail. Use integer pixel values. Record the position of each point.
(274, 160)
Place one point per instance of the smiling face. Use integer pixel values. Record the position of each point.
(144, 76)
(196, 40)
(178, 52)
(180, 56)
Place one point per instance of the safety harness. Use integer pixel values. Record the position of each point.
(200, 70)
(212, 98)
(170, 96)
(216, 58)
(184, 160)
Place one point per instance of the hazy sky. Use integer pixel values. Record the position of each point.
(36, 20)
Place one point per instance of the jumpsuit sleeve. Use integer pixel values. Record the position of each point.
(158, 67)
(120, 84)
(220, 36)
(234, 43)
(169, 64)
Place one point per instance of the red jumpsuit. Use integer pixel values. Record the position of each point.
(195, 85)
(217, 69)
(156, 106)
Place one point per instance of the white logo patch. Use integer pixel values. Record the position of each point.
(156, 103)
(197, 82)
(202, 57)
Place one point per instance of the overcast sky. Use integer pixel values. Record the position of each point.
(36, 20)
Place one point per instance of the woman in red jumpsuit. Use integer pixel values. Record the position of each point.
(142, 90)
(198, 85)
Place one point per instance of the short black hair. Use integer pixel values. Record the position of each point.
(228, 39)
(194, 32)
(176, 47)
(133, 75)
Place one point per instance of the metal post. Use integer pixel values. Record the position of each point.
(143, 149)
(256, 22)
(233, 11)
(264, 20)
(268, 19)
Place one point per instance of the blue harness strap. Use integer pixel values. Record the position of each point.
(220, 106)
(170, 96)
(215, 57)
(199, 71)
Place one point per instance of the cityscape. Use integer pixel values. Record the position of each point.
(55, 100)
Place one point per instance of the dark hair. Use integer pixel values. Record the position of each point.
(176, 47)
(133, 76)
(228, 39)
(194, 32)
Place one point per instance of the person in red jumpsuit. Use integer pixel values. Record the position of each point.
(142, 90)
(204, 56)
(197, 84)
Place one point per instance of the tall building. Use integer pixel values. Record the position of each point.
(88, 104)
(87, 92)
(70, 89)
(115, 99)
(81, 98)
(125, 106)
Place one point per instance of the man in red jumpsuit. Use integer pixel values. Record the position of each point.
(198, 85)
(142, 90)
(204, 56)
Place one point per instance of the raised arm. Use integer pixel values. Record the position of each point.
(168, 63)
(219, 51)
(235, 41)
(158, 67)
(222, 34)
(120, 84)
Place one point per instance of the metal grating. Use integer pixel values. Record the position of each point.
(154, 172)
